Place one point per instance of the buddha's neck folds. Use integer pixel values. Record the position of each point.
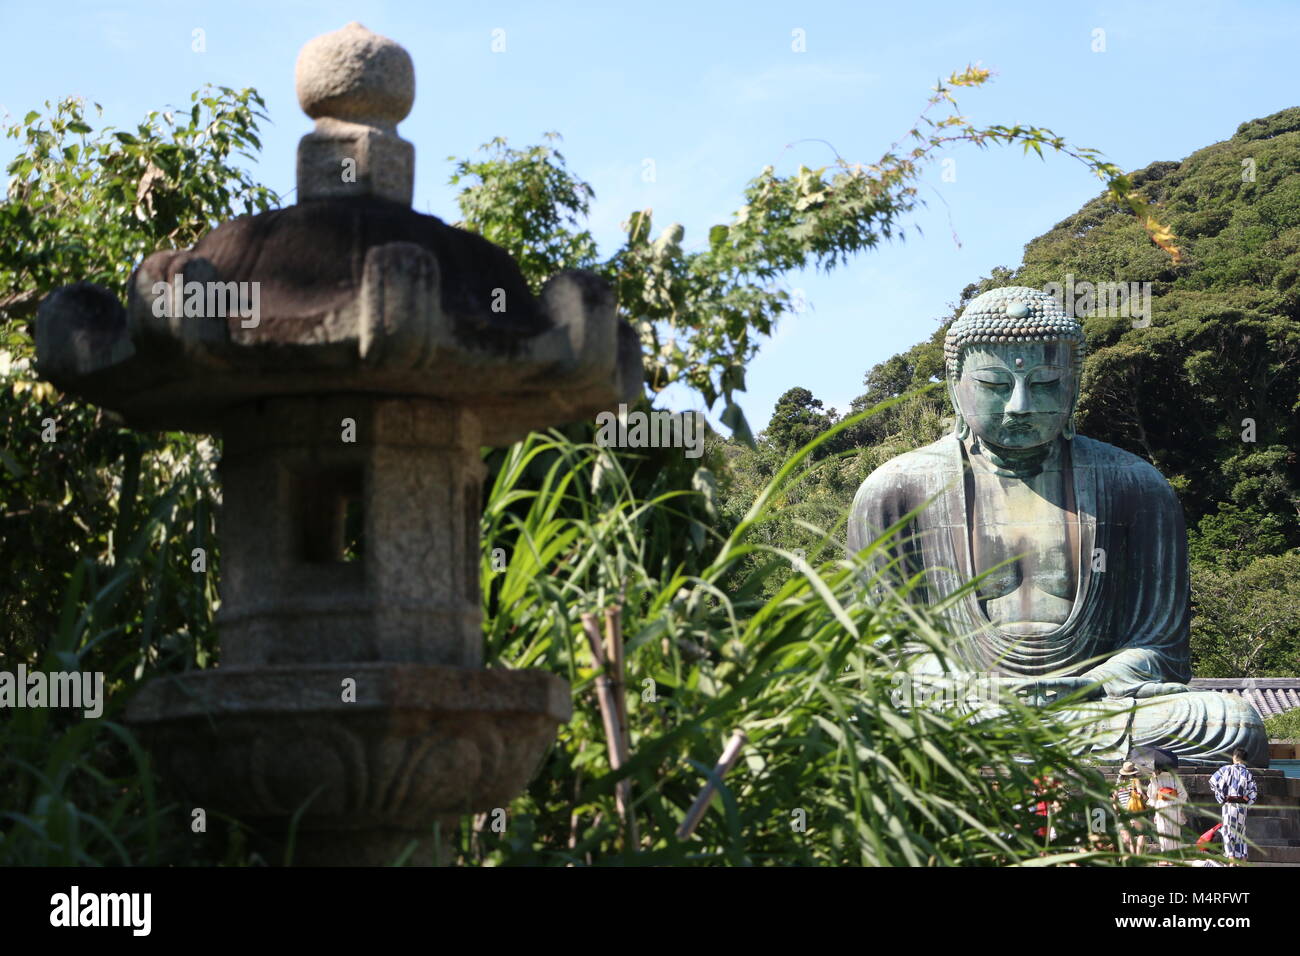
(1022, 463)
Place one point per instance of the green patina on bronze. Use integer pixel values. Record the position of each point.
(1077, 548)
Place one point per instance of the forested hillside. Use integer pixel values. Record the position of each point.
(1218, 366)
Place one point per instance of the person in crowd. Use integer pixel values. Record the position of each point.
(1128, 799)
(1167, 795)
(1234, 787)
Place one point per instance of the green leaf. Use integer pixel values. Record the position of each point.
(733, 379)
(734, 418)
(704, 482)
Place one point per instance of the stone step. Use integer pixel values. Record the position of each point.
(1261, 826)
(1272, 825)
(1271, 831)
(1274, 788)
(1265, 854)
(1258, 811)
(1271, 784)
(1268, 853)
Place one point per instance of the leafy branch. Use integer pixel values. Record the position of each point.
(702, 313)
(90, 204)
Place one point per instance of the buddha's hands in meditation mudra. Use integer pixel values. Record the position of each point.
(1072, 553)
(1042, 691)
(1050, 690)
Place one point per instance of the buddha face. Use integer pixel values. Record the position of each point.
(1017, 395)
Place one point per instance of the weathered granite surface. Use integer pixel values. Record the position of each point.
(357, 86)
(356, 296)
(384, 348)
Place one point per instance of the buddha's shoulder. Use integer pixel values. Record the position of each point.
(1116, 461)
(926, 458)
(1099, 454)
(920, 464)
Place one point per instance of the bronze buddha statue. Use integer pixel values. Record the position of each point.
(1077, 549)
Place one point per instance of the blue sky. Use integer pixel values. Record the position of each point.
(712, 92)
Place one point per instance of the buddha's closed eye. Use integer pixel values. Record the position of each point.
(991, 382)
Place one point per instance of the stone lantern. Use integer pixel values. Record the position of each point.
(382, 350)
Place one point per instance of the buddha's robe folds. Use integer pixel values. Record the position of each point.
(1128, 627)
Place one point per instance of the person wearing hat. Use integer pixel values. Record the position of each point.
(1128, 799)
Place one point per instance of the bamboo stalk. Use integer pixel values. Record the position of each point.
(614, 666)
(614, 659)
(695, 814)
(607, 696)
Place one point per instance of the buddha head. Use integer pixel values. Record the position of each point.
(1013, 360)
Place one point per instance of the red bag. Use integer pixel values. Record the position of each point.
(1207, 837)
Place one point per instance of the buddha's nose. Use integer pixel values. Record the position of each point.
(1019, 404)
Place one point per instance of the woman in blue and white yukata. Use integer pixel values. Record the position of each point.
(1234, 787)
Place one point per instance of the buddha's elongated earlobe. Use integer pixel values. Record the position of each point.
(960, 428)
(1067, 430)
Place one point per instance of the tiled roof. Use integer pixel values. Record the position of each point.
(1268, 695)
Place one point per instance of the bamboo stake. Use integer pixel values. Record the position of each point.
(728, 760)
(614, 663)
(614, 658)
(607, 697)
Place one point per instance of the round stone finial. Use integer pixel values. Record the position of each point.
(357, 76)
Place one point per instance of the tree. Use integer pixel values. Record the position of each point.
(1247, 622)
(87, 204)
(797, 419)
(99, 523)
